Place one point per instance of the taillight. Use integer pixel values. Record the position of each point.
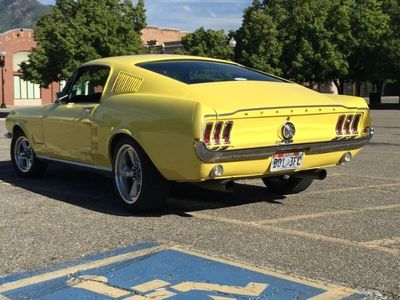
(347, 124)
(226, 135)
(355, 123)
(207, 133)
(217, 132)
(339, 124)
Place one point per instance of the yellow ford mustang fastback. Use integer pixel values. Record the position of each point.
(154, 119)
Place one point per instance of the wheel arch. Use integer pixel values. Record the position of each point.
(126, 134)
(17, 128)
(116, 137)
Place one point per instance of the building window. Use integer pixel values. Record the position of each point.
(25, 89)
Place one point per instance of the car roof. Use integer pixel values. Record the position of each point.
(135, 59)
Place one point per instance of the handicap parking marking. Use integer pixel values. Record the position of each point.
(162, 271)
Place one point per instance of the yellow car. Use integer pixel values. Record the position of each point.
(154, 119)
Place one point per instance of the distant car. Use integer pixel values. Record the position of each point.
(156, 119)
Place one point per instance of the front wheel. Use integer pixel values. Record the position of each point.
(287, 184)
(138, 184)
(24, 159)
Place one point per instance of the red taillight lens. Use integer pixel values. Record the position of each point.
(355, 123)
(226, 135)
(217, 132)
(207, 133)
(339, 124)
(347, 124)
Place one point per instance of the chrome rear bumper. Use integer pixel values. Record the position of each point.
(220, 156)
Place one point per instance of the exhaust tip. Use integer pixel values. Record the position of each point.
(321, 174)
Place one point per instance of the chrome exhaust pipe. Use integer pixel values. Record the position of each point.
(318, 174)
(219, 186)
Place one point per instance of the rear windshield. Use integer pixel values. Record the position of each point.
(198, 71)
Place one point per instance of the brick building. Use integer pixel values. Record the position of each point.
(18, 43)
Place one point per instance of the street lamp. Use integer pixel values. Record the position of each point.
(2, 63)
(232, 42)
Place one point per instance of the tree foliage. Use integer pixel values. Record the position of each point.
(210, 43)
(322, 40)
(77, 31)
(259, 45)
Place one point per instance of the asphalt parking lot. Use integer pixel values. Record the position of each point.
(343, 231)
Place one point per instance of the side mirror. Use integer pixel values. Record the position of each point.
(61, 97)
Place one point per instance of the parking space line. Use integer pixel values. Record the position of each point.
(385, 152)
(368, 177)
(356, 188)
(82, 267)
(327, 214)
(297, 233)
(384, 242)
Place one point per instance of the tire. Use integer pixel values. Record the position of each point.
(138, 184)
(285, 185)
(24, 159)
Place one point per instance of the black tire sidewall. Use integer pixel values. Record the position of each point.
(37, 169)
(154, 188)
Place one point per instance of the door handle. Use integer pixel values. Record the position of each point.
(88, 109)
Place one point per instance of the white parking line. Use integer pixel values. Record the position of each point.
(328, 214)
(297, 233)
(356, 188)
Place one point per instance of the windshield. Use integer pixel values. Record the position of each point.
(202, 71)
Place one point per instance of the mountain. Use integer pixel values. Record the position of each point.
(20, 13)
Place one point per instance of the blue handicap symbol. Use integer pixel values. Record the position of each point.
(155, 271)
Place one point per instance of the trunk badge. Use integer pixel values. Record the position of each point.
(288, 131)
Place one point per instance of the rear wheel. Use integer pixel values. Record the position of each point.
(287, 184)
(138, 184)
(24, 159)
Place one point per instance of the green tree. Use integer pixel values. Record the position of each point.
(210, 43)
(369, 60)
(77, 31)
(258, 43)
(293, 38)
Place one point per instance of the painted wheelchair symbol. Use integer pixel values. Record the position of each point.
(159, 289)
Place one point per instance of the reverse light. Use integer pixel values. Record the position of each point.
(217, 171)
(346, 157)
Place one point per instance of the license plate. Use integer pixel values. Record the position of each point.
(286, 161)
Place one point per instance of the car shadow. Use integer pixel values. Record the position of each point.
(96, 192)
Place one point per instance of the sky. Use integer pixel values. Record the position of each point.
(188, 15)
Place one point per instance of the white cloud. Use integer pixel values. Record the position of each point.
(212, 14)
(187, 8)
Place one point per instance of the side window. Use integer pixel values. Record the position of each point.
(89, 84)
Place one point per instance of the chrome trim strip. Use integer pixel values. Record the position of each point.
(75, 163)
(209, 156)
(286, 107)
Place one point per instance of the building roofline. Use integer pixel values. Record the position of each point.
(16, 29)
(166, 28)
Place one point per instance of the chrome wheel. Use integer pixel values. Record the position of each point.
(23, 154)
(128, 174)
